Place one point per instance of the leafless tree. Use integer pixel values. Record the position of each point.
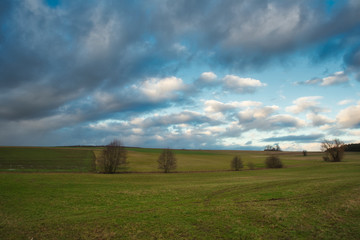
(112, 156)
(167, 160)
(236, 163)
(334, 150)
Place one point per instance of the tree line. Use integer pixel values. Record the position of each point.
(113, 157)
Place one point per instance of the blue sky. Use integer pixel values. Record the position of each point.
(180, 74)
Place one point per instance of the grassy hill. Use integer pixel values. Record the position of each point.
(309, 199)
(78, 159)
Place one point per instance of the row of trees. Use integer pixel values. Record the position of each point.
(114, 157)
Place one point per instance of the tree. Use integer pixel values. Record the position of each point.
(167, 160)
(334, 150)
(112, 156)
(236, 163)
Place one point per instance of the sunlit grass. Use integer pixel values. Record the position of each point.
(313, 200)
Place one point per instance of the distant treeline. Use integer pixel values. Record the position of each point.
(353, 147)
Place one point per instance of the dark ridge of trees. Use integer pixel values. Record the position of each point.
(276, 147)
(353, 147)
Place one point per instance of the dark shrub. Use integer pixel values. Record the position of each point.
(273, 162)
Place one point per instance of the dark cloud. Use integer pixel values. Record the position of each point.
(296, 138)
(352, 60)
(65, 64)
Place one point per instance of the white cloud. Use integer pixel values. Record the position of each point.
(303, 104)
(256, 113)
(319, 120)
(350, 116)
(333, 79)
(158, 89)
(345, 102)
(214, 106)
(336, 78)
(183, 117)
(242, 85)
(208, 77)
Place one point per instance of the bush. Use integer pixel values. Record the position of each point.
(251, 165)
(167, 160)
(273, 162)
(236, 163)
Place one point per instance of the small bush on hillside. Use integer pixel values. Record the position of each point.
(251, 165)
(167, 160)
(273, 162)
(236, 163)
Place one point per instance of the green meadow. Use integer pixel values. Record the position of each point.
(49, 193)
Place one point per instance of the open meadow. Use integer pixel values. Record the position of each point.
(49, 193)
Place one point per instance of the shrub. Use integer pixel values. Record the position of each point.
(236, 163)
(273, 162)
(167, 160)
(305, 153)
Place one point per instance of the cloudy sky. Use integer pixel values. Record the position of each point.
(205, 74)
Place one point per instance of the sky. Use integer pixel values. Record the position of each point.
(205, 74)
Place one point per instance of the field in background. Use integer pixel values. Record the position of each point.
(309, 199)
(79, 159)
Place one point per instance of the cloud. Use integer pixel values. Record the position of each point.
(334, 79)
(157, 89)
(349, 117)
(345, 102)
(263, 119)
(303, 104)
(250, 115)
(208, 77)
(319, 120)
(296, 138)
(66, 66)
(352, 60)
(242, 85)
(185, 117)
(213, 106)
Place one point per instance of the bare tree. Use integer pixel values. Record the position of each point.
(167, 160)
(236, 163)
(112, 156)
(334, 150)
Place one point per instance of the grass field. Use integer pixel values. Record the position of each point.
(63, 159)
(309, 199)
